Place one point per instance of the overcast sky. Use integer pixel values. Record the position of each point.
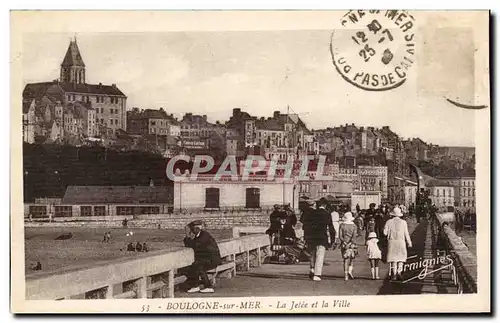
(259, 72)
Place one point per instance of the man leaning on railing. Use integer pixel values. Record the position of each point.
(206, 257)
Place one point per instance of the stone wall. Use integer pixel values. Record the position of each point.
(466, 262)
(215, 220)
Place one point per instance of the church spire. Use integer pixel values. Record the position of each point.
(73, 67)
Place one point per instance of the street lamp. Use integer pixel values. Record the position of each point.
(58, 180)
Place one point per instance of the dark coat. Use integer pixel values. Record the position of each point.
(320, 225)
(291, 217)
(205, 248)
(305, 219)
(287, 235)
(274, 220)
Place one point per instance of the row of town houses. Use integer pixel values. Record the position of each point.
(71, 111)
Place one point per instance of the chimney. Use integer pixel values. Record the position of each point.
(113, 85)
(205, 117)
(352, 124)
(276, 114)
(236, 112)
(362, 129)
(262, 119)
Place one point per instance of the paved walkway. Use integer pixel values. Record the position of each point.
(292, 280)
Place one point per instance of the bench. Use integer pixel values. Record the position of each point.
(225, 266)
(229, 265)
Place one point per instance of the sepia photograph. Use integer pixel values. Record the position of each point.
(250, 162)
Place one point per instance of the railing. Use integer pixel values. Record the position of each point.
(465, 262)
(148, 276)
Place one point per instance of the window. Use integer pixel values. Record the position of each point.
(63, 211)
(38, 211)
(465, 203)
(325, 187)
(212, 198)
(85, 210)
(437, 192)
(124, 210)
(99, 210)
(252, 198)
(468, 192)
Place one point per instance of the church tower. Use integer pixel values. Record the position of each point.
(72, 67)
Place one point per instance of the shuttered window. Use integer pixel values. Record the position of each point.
(212, 198)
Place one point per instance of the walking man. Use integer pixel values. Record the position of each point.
(320, 227)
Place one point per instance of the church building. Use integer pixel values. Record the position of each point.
(72, 106)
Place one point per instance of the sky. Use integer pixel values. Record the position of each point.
(262, 71)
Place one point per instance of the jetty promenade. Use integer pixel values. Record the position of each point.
(245, 273)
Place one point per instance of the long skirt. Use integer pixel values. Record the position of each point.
(396, 251)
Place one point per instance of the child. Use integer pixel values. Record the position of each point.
(374, 254)
(359, 222)
(370, 227)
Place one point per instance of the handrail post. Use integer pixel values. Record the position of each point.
(142, 287)
(171, 284)
(109, 292)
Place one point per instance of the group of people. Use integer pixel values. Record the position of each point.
(281, 233)
(138, 247)
(463, 219)
(324, 228)
(385, 235)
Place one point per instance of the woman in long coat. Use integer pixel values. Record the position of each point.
(398, 239)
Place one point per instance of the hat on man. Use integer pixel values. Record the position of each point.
(322, 202)
(307, 200)
(348, 216)
(195, 223)
(372, 235)
(397, 212)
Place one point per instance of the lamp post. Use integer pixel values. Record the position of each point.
(58, 180)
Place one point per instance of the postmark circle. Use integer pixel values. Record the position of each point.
(374, 50)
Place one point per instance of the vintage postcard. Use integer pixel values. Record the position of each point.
(250, 161)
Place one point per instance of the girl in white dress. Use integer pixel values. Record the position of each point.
(374, 254)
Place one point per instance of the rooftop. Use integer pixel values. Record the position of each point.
(38, 90)
(73, 56)
(117, 195)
